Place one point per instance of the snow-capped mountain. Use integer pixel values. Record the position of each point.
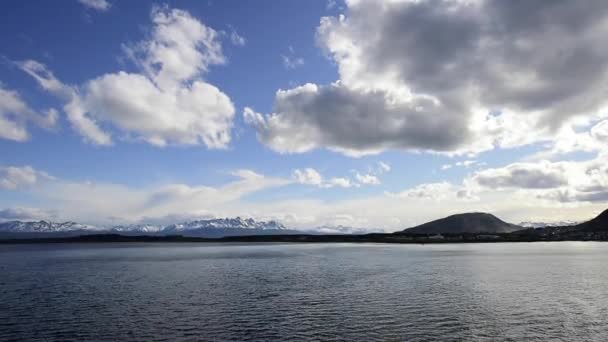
(340, 229)
(137, 228)
(43, 227)
(224, 223)
(218, 226)
(532, 224)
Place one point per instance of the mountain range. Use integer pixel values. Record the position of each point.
(467, 223)
(197, 228)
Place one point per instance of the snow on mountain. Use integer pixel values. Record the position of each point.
(225, 223)
(340, 229)
(43, 227)
(138, 228)
(532, 224)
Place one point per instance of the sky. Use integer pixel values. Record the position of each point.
(371, 114)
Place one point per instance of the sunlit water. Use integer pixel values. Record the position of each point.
(351, 292)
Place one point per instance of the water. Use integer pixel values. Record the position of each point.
(339, 292)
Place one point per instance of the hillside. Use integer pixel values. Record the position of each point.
(597, 224)
(464, 223)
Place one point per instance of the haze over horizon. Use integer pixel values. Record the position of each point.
(357, 113)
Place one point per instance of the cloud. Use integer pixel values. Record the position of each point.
(26, 214)
(168, 103)
(95, 202)
(341, 182)
(308, 176)
(17, 177)
(236, 38)
(453, 77)
(575, 182)
(367, 179)
(429, 191)
(523, 175)
(98, 5)
(463, 163)
(383, 167)
(15, 114)
(290, 60)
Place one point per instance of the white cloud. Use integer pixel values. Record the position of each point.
(308, 176)
(98, 5)
(384, 167)
(463, 163)
(95, 202)
(454, 77)
(236, 38)
(290, 60)
(168, 103)
(541, 175)
(17, 177)
(576, 182)
(26, 214)
(341, 182)
(15, 115)
(367, 179)
(431, 191)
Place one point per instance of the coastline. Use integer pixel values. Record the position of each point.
(304, 238)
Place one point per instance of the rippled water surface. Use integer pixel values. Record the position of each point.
(477, 292)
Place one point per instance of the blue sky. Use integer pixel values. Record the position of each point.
(363, 132)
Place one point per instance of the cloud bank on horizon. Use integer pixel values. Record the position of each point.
(435, 107)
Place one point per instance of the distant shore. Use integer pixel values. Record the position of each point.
(304, 238)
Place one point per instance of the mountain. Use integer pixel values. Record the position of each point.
(227, 227)
(198, 228)
(137, 228)
(464, 223)
(537, 224)
(224, 223)
(340, 229)
(42, 227)
(597, 224)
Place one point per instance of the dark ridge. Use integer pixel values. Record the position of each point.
(597, 224)
(465, 223)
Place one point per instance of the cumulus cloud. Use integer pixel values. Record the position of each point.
(16, 177)
(561, 181)
(98, 5)
(447, 76)
(524, 176)
(15, 114)
(463, 163)
(167, 103)
(310, 176)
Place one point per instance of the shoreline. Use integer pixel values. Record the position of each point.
(368, 238)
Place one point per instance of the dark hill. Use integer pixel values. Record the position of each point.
(465, 223)
(597, 224)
